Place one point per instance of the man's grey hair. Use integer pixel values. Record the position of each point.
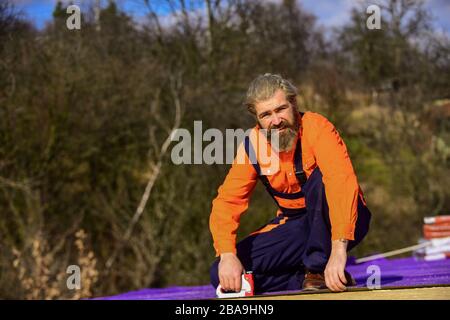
(264, 87)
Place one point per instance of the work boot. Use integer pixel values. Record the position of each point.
(316, 280)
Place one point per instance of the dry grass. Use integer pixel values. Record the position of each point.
(43, 277)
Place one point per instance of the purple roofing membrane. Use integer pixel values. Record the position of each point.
(405, 272)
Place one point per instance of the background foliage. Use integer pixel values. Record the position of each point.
(85, 116)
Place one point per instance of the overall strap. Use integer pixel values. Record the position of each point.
(299, 172)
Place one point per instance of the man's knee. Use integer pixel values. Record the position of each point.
(214, 273)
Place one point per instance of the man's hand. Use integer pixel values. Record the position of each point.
(334, 271)
(230, 272)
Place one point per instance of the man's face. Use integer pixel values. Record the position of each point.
(277, 113)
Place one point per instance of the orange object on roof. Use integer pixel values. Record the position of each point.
(436, 227)
(436, 234)
(437, 219)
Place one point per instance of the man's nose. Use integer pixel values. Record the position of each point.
(276, 120)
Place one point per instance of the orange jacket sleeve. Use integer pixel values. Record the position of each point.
(341, 186)
(231, 202)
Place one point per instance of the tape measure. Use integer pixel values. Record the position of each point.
(247, 288)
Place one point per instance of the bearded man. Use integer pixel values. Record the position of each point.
(321, 212)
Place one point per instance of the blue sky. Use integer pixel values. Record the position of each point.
(329, 12)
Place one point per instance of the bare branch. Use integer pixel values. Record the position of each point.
(155, 170)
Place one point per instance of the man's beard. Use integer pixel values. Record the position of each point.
(286, 138)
